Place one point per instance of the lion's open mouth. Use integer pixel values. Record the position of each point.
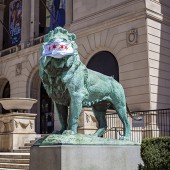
(58, 49)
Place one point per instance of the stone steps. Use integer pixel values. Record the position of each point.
(14, 166)
(21, 150)
(11, 169)
(13, 160)
(9, 155)
(18, 159)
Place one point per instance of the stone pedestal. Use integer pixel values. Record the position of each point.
(87, 122)
(15, 129)
(85, 157)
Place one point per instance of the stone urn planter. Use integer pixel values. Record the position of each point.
(17, 126)
(17, 104)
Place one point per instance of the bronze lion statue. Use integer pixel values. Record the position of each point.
(70, 84)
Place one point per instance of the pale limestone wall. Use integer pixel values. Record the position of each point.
(105, 13)
(97, 30)
(110, 35)
(158, 28)
(85, 8)
(132, 61)
(159, 62)
(19, 84)
(102, 30)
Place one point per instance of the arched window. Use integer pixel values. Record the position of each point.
(105, 63)
(44, 107)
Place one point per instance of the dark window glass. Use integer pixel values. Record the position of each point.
(6, 94)
(46, 112)
(105, 63)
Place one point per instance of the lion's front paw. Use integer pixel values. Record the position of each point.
(69, 132)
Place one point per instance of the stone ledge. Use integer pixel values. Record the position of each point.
(80, 139)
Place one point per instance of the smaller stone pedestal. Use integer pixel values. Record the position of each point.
(15, 129)
(85, 157)
(87, 122)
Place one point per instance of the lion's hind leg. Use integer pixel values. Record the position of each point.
(126, 126)
(100, 116)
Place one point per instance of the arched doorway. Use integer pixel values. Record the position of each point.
(6, 94)
(105, 63)
(44, 107)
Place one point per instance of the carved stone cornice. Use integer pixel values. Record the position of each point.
(158, 11)
(160, 2)
(157, 17)
(107, 24)
(114, 10)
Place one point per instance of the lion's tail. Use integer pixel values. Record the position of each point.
(130, 114)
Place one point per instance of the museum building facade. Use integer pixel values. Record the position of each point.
(126, 39)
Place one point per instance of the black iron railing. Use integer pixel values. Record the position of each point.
(154, 123)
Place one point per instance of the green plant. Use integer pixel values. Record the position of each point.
(155, 153)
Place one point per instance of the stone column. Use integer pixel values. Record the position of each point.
(34, 27)
(69, 14)
(1, 26)
(26, 16)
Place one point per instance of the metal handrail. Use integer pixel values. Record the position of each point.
(155, 123)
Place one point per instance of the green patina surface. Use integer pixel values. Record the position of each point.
(70, 84)
(80, 139)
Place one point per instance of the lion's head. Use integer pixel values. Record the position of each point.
(59, 44)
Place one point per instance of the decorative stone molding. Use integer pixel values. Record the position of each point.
(89, 118)
(16, 123)
(23, 125)
(87, 122)
(18, 70)
(132, 37)
(6, 126)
